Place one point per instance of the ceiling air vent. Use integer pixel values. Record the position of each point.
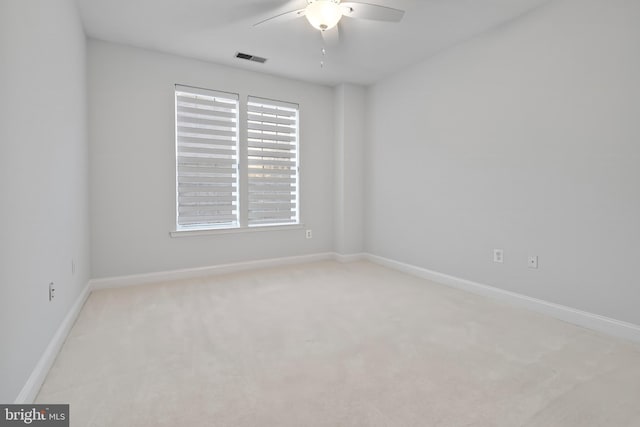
(251, 57)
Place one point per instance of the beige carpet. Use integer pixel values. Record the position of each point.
(329, 344)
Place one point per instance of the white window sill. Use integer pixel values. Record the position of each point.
(216, 231)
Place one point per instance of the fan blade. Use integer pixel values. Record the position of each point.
(331, 37)
(353, 9)
(287, 16)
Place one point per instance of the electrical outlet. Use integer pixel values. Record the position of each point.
(309, 234)
(532, 262)
(52, 291)
(498, 255)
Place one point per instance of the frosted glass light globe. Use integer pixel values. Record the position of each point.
(323, 14)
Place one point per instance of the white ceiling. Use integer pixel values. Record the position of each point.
(215, 30)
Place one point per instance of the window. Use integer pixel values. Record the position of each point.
(272, 129)
(224, 182)
(206, 158)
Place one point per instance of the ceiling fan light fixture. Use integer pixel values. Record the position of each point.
(323, 14)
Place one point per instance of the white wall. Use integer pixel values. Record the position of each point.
(43, 179)
(525, 139)
(350, 125)
(132, 154)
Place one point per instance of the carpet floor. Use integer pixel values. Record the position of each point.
(330, 344)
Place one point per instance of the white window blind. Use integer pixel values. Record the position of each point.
(272, 130)
(206, 158)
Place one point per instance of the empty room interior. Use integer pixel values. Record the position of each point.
(321, 213)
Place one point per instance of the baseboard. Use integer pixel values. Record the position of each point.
(190, 273)
(31, 388)
(607, 325)
(349, 257)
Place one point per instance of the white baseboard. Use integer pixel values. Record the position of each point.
(349, 257)
(190, 273)
(585, 319)
(31, 388)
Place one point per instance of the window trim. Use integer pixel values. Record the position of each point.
(235, 230)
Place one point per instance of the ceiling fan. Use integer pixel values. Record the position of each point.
(324, 15)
